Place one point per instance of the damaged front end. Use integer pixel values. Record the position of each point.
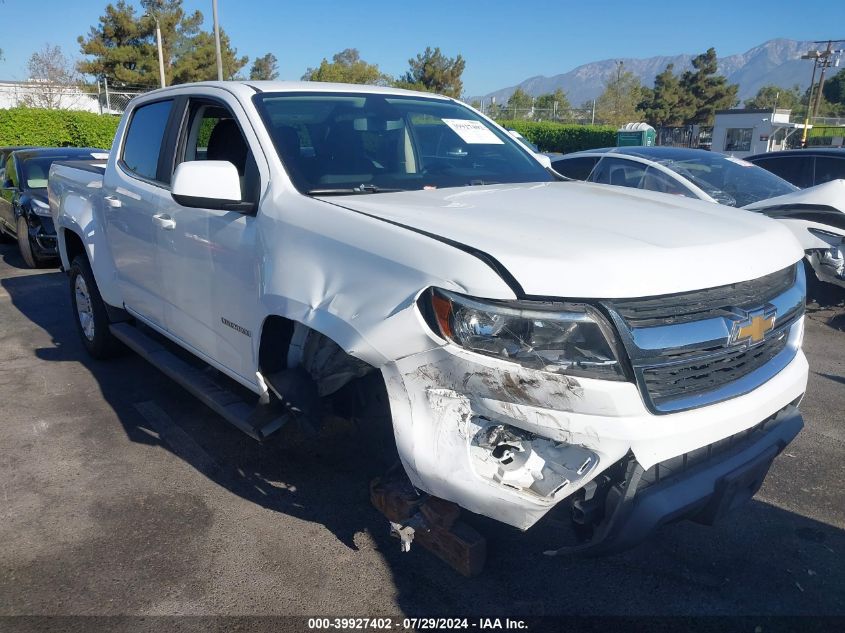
(529, 405)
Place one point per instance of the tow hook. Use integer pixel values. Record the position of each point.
(431, 522)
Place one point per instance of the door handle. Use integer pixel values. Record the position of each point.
(112, 201)
(164, 221)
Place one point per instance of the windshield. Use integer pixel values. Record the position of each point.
(730, 180)
(35, 170)
(367, 143)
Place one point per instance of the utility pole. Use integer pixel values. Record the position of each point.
(160, 52)
(217, 41)
(823, 59)
(826, 63)
(814, 55)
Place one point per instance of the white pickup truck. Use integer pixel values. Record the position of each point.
(633, 358)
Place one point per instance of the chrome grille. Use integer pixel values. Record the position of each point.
(681, 348)
(702, 304)
(691, 378)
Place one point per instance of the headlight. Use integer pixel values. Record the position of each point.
(567, 338)
(39, 208)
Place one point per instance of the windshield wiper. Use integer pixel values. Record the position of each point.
(352, 190)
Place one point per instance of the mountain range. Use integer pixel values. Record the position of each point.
(774, 62)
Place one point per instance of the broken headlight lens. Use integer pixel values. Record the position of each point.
(568, 338)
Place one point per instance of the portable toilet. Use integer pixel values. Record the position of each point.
(635, 134)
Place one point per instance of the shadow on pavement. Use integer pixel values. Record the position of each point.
(763, 560)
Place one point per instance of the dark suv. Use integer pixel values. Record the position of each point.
(804, 167)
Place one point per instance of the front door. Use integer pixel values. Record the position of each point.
(7, 195)
(133, 194)
(209, 259)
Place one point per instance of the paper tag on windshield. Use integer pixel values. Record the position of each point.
(473, 132)
(739, 161)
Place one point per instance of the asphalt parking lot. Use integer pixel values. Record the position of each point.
(123, 495)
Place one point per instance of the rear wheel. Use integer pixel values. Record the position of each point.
(25, 245)
(92, 321)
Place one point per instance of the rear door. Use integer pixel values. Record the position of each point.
(133, 194)
(210, 258)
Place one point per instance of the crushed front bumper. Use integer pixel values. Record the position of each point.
(511, 443)
(703, 485)
(42, 236)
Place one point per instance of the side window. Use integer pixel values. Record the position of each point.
(738, 139)
(10, 175)
(143, 139)
(213, 133)
(796, 169)
(656, 180)
(575, 168)
(829, 168)
(619, 172)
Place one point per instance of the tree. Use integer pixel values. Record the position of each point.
(432, 71)
(520, 105)
(661, 105)
(552, 105)
(53, 76)
(772, 96)
(704, 91)
(265, 68)
(834, 91)
(198, 61)
(622, 94)
(347, 67)
(122, 47)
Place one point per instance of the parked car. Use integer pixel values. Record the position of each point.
(815, 216)
(24, 211)
(528, 342)
(804, 167)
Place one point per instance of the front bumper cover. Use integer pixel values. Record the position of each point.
(702, 486)
(448, 406)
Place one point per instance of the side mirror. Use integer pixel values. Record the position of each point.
(209, 184)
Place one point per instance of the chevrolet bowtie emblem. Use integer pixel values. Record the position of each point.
(754, 326)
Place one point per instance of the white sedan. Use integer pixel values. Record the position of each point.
(816, 216)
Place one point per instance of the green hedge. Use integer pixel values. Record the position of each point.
(56, 128)
(560, 137)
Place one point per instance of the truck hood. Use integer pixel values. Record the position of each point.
(580, 240)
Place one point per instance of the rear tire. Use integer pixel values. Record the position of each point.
(89, 311)
(25, 246)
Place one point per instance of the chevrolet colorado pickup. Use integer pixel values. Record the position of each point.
(630, 358)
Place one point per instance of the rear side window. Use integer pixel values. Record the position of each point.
(143, 139)
(829, 168)
(796, 169)
(656, 180)
(575, 168)
(619, 172)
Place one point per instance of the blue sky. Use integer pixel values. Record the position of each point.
(503, 42)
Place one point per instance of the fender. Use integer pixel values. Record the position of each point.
(81, 215)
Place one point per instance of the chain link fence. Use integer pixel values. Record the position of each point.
(578, 116)
(97, 99)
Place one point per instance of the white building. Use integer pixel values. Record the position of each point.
(14, 94)
(743, 132)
